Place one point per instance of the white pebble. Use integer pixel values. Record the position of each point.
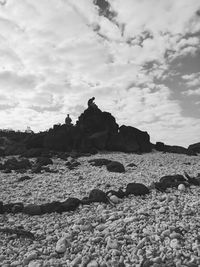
(115, 199)
(93, 263)
(181, 187)
(61, 245)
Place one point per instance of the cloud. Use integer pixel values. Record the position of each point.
(56, 54)
(192, 79)
(192, 92)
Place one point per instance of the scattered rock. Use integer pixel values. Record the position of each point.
(136, 189)
(115, 166)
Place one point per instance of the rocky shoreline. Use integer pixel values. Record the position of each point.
(160, 229)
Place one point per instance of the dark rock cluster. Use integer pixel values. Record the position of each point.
(97, 195)
(95, 130)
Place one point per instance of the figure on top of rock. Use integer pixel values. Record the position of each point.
(68, 120)
(91, 103)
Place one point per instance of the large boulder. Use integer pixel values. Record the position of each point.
(176, 149)
(194, 148)
(93, 121)
(115, 166)
(35, 140)
(136, 189)
(130, 139)
(63, 138)
(98, 140)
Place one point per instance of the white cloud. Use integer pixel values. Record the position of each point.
(55, 54)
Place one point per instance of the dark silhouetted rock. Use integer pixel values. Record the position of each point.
(35, 140)
(176, 149)
(24, 178)
(99, 140)
(93, 121)
(115, 166)
(43, 161)
(32, 209)
(70, 204)
(13, 207)
(170, 181)
(2, 152)
(159, 146)
(99, 162)
(132, 165)
(14, 164)
(136, 189)
(54, 206)
(33, 153)
(97, 195)
(61, 138)
(1, 207)
(130, 139)
(194, 148)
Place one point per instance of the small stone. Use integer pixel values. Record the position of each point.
(15, 263)
(175, 235)
(93, 263)
(115, 199)
(174, 243)
(30, 256)
(34, 264)
(181, 187)
(85, 260)
(76, 261)
(166, 232)
(62, 245)
(112, 244)
(162, 210)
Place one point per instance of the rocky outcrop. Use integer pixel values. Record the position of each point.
(159, 146)
(94, 130)
(194, 148)
(130, 139)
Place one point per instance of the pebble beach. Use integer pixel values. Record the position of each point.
(159, 229)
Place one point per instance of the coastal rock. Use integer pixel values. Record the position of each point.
(115, 166)
(136, 189)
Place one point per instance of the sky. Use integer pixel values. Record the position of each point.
(140, 59)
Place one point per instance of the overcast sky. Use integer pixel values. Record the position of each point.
(139, 58)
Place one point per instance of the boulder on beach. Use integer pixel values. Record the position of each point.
(70, 204)
(13, 207)
(32, 209)
(115, 166)
(194, 148)
(97, 195)
(130, 139)
(136, 189)
(54, 206)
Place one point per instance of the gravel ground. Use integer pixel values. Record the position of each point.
(162, 229)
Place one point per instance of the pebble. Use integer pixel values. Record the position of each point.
(93, 263)
(61, 245)
(115, 199)
(181, 187)
(174, 243)
(112, 244)
(34, 264)
(30, 256)
(162, 210)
